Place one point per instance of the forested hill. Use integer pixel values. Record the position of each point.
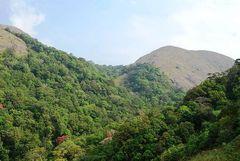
(54, 106)
(205, 127)
(145, 80)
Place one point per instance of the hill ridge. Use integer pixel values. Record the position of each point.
(10, 41)
(187, 68)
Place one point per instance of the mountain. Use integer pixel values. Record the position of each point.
(204, 127)
(55, 106)
(186, 68)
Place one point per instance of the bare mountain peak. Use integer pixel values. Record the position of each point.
(10, 41)
(171, 47)
(187, 68)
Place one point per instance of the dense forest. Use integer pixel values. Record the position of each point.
(49, 95)
(206, 120)
(54, 106)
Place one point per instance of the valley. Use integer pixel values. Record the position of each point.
(165, 106)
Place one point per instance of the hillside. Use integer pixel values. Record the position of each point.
(187, 68)
(150, 84)
(54, 106)
(205, 127)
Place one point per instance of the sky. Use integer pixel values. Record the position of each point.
(115, 32)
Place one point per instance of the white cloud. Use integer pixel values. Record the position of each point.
(209, 24)
(25, 16)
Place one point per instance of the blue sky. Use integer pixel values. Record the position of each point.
(120, 31)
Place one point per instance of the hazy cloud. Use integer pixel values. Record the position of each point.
(25, 16)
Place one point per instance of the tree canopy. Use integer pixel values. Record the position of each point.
(54, 106)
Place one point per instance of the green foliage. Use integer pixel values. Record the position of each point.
(208, 118)
(117, 113)
(143, 138)
(152, 85)
(173, 153)
(67, 151)
(48, 93)
(227, 152)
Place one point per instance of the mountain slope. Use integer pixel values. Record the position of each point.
(151, 85)
(48, 94)
(187, 68)
(10, 41)
(204, 128)
(54, 106)
(145, 81)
